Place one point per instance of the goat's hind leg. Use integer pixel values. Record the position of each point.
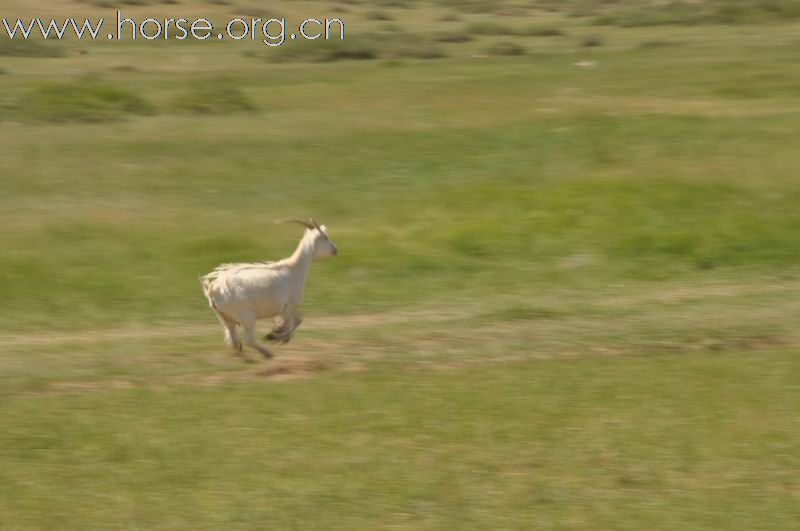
(231, 334)
(249, 326)
(232, 337)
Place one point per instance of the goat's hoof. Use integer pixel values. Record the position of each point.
(272, 336)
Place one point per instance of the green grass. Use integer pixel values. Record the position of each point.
(665, 442)
(566, 295)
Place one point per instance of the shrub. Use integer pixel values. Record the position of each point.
(214, 98)
(471, 6)
(647, 45)
(29, 48)
(416, 51)
(378, 15)
(346, 53)
(543, 31)
(453, 36)
(353, 48)
(591, 41)
(685, 13)
(505, 48)
(362, 47)
(405, 4)
(86, 100)
(490, 28)
(510, 12)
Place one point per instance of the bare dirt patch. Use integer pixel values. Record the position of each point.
(455, 336)
(282, 369)
(292, 368)
(182, 329)
(107, 385)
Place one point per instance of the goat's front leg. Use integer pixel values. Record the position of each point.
(286, 331)
(296, 322)
(278, 329)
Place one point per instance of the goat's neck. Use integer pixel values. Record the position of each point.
(303, 256)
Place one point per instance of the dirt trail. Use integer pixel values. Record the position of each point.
(449, 340)
(182, 329)
(283, 369)
(630, 298)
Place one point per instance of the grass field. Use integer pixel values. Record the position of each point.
(567, 292)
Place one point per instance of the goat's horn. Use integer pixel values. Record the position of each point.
(302, 222)
(316, 225)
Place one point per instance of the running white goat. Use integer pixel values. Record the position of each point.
(240, 294)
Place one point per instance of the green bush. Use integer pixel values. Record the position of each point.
(472, 6)
(347, 53)
(752, 11)
(394, 45)
(405, 4)
(378, 15)
(449, 17)
(391, 27)
(416, 51)
(490, 28)
(543, 31)
(214, 98)
(505, 48)
(708, 12)
(652, 44)
(453, 36)
(319, 51)
(86, 100)
(592, 41)
(29, 48)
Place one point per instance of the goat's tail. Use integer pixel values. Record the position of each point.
(206, 282)
(228, 323)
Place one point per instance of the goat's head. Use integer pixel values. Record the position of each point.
(318, 236)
